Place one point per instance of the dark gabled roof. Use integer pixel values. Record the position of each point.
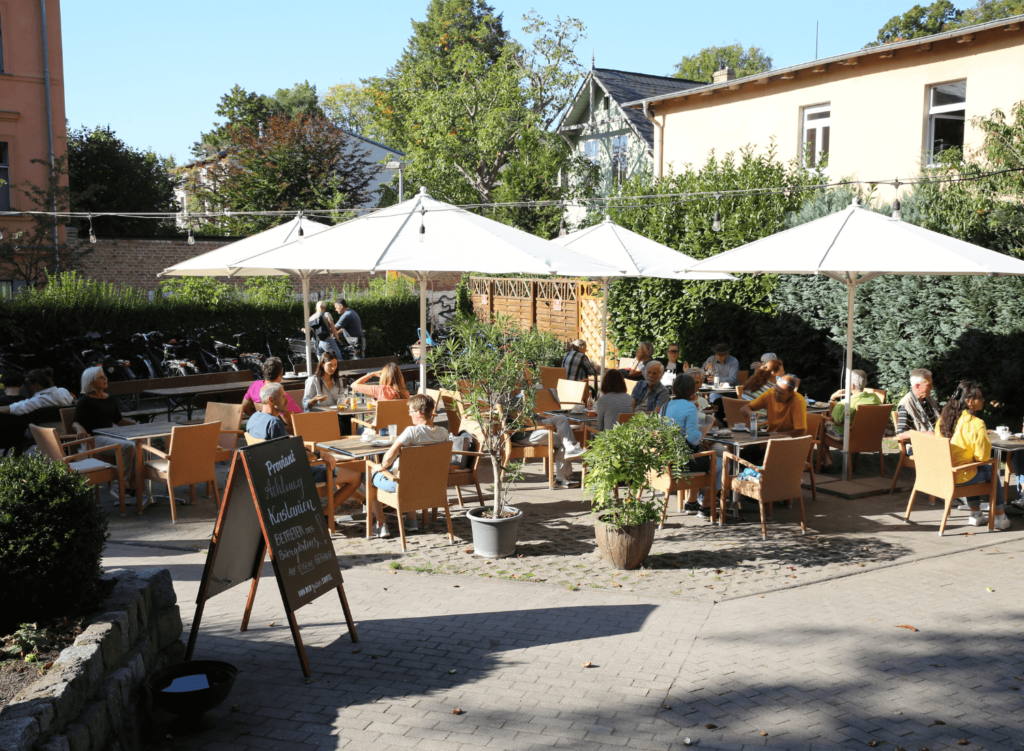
(623, 86)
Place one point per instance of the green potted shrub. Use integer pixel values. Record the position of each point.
(52, 534)
(620, 465)
(487, 362)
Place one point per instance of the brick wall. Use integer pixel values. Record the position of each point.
(136, 262)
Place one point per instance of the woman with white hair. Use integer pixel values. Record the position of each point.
(96, 410)
(858, 381)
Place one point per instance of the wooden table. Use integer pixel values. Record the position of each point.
(139, 434)
(354, 447)
(183, 396)
(1002, 447)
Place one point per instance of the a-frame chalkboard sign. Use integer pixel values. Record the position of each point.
(285, 517)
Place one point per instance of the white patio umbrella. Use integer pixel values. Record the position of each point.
(223, 261)
(424, 238)
(854, 246)
(637, 255)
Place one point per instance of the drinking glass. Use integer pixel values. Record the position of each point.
(392, 431)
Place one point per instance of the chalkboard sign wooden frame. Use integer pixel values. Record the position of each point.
(286, 520)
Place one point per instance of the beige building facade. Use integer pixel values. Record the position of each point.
(880, 113)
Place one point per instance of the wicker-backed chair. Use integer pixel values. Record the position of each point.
(906, 460)
(67, 421)
(458, 476)
(320, 427)
(668, 485)
(572, 392)
(425, 469)
(230, 418)
(936, 476)
(742, 376)
(190, 459)
(867, 428)
(546, 401)
(739, 392)
(627, 363)
(389, 412)
(815, 427)
(93, 470)
(733, 415)
(549, 377)
(784, 464)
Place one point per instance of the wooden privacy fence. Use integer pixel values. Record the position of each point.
(568, 308)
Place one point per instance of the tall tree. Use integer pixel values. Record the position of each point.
(350, 106)
(472, 108)
(991, 10)
(105, 174)
(919, 21)
(286, 163)
(701, 67)
(249, 109)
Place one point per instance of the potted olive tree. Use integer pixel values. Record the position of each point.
(486, 362)
(620, 465)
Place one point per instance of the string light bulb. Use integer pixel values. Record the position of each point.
(716, 223)
(423, 229)
(1, 234)
(191, 240)
(92, 235)
(301, 231)
(896, 203)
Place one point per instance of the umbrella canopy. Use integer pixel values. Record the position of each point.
(221, 262)
(854, 246)
(424, 238)
(637, 255)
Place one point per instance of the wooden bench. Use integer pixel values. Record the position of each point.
(136, 406)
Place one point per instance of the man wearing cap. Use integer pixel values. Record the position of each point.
(576, 363)
(723, 365)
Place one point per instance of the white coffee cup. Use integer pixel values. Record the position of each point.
(367, 437)
(1003, 431)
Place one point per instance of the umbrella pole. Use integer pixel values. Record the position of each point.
(305, 312)
(423, 334)
(851, 293)
(604, 325)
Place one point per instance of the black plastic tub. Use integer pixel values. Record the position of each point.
(188, 689)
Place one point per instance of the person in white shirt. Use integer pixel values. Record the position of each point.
(42, 393)
(420, 433)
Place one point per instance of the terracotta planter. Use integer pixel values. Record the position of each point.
(624, 547)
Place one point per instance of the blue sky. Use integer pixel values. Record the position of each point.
(154, 71)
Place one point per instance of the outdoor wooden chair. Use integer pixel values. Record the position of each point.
(320, 427)
(426, 469)
(389, 412)
(627, 363)
(936, 476)
(784, 464)
(93, 470)
(462, 476)
(67, 421)
(190, 459)
(230, 418)
(546, 401)
(686, 486)
(815, 427)
(739, 392)
(866, 432)
(733, 415)
(544, 451)
(453, 411)
(907, 460)
(572, 392)
(549, 377)
(741, 377)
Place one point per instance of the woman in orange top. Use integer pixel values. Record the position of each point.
(969, 442)
(392, 384)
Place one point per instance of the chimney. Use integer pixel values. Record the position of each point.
(723, 75)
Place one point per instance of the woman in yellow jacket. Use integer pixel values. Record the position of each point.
(968, 442)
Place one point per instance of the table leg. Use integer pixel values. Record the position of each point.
(139, 462)
(190, 404)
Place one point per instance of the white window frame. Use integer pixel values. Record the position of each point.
(807, 125)
(594, 158)
(619, 158)
(942, 112)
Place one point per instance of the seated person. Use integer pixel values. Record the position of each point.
(644, 353)
(763, 379)
(323, 389)
(40, 401)
(614, 401)
(421, 433)
(672, 364)
(576, 363)
(650, 394)
(273, 372)
(96, 410)
(566, 446)
(786, 410)
(723, 365)
(698, 378)
(969, 442)
(917, 410)
(682, 410)
(756, 365)
(267, 424)
(391, 385)
(858, 396)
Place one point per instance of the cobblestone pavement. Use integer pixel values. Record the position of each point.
(690, 558)
(816, 667)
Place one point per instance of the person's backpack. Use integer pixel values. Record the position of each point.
(462, 442)
(319, 327)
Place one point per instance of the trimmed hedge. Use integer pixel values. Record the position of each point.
(52, 534)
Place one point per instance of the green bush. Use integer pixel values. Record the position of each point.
(52, 534)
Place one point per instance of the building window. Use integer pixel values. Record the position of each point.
(591, 150)
(817, 124)
(619, 146)
(1, 49)
(5, 178)
(947, 107)
(6, 290)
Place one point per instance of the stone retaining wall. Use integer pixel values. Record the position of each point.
(92, 698)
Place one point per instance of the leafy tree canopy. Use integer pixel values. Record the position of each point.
(942, 15)
(701, 67)
(350, 106)
(106, 174)
(249, 109)
(991, 10)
